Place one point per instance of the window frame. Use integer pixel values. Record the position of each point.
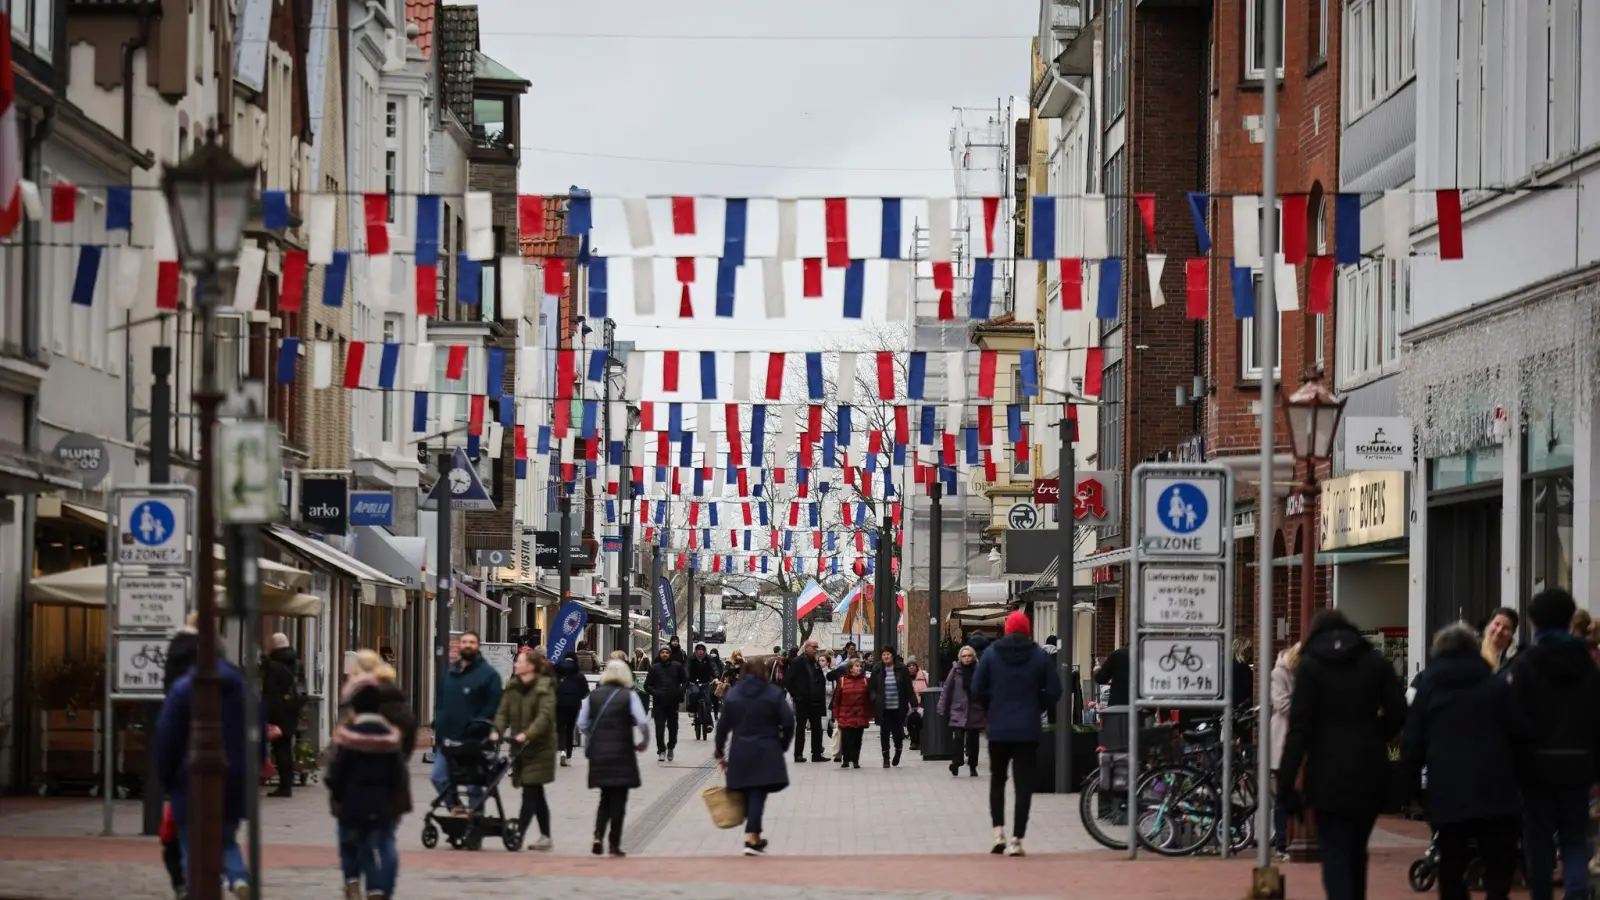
(1380, 53)
(26, 29)
(1249, 366)
(1375, 306)
(1253, 68)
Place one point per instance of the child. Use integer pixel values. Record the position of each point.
(364, 780)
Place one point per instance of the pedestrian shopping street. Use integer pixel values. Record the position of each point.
(911, 831)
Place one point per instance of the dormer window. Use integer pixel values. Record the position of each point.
(493, 119)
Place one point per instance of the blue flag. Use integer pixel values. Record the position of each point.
(566, 630)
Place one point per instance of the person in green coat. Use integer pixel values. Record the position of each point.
(527, 718)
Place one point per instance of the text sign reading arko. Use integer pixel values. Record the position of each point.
(1181, 596)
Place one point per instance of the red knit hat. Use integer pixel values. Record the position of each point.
(1017, 623)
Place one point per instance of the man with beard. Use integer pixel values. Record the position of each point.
(666, 684)
(805, 683)
(279, 689)
(471, 691)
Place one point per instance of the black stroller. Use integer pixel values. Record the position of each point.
(476, 766)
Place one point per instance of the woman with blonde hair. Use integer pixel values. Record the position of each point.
(1283, 673)
(615, 731)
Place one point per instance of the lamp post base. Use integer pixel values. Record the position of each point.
(1266, 883)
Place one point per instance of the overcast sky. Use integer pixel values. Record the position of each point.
(767, 99)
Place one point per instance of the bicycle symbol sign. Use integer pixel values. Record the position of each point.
(1180, 668)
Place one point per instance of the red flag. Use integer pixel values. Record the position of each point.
(11, 141)
(530, 216)
(63, 202)
(560, 413)
(683, 215)
(885, 375)
(685, 270)
(874, 442)
(566, 372)
(902, 426)
(811, 270)
(948, 456)
(475, 414)
(985, 426)
(166, 276)
(647, 416)
(1319, 295)
(292, 295)
(1197, 290)
(989, 469)
(663, 447)
(519, 441)
(1093, 372)
(1072, 283)
(427, 290)
(775, 362)
(735, 445)
(947, 306)
(814, 420)
(836, 218)
(1294, 228)
(1448, 203)
(685, 304)
(376, 207)
(988, 360)
(669, 371)
(1147, 212)
(944, 278)
(355, 353)
(991, 211)
(555, 275)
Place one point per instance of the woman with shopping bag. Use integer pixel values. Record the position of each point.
(752, 737)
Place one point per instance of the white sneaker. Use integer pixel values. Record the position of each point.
(661, 757)
(564, 762)
(1014, 847)
(542, 845)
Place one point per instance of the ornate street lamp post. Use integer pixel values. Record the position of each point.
(208, 196)
(1313, 414)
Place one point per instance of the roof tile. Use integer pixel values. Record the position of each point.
(421, 12)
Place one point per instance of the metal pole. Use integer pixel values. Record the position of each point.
(444, 577)
(1266, 881)
(625, 568)
(244, 586)
(935, 582)
(564, 557)
(883, 588)
(160, 473)
(1066, 512)
(688, 601)
(207, 763)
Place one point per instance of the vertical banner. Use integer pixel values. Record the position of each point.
(666, 616)
(568, 629)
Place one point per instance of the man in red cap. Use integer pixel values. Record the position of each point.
(1016, 683)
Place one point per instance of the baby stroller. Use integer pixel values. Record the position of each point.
(1424, 872)
(475, 765)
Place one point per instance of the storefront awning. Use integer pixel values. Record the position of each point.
(463, 588)
(398, 557)
(385, 590)
(1347, 557)
(24, 471)
(600, 615)
(86, 587)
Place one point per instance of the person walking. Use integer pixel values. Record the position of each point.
(919, 683)
(615, 732)
(852, 710)
(891, 700)
(279, 680)
(752, 735)
(1459, 730)
(808, 688)
(665, 684)
(701, 673)
(1346, 708)
(966, 715)
(370, 668)
(1283, 672)
(1555, 696)
(1016, 682)
(181, 652)
(588, 660)
(641, 663)
(472, 691)
(571, 688)
(364, 780)
(527, 718)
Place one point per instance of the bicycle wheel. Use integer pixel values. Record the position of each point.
(1178, 810)
(1104, 816)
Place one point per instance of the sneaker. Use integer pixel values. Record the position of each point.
(542, 845)
(564, 762)
(1014, 848)
(241, 891)
(1000, 846)
(352, 890)
(669, 756)
(756, 849)
(617, 853)
(844, 765)
(598, 849)
(897, 756)
(661, 757)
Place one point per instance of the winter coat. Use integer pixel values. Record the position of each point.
(852, 702)
(956, 699)
(587, 660)
(470, 693)
(918, 685)
(1555, 689)
(1016, 682)
(278, 690)
(754, 732)
(366, 775)
(806, 684)
(666, 683)
(678, 656)
(396, 710)
(1459, 727)
(1346, 707)
(1114, 671)
(611, 736)
(902, 680)
(571, 686)
(530, 708)
(172, 743)
(1282, 695)
(701, 670)
(181, 653)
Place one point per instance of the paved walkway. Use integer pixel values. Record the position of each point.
(911, 831)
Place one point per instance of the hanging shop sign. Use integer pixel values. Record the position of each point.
(375, 508)
(86, 455)
(1373, 443)
(325, 504)
(1363, 508)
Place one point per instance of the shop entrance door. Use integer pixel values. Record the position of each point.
(1463, 561)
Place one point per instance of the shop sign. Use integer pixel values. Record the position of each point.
(1373, 443)
(1363, 509)
(325, 504)
(86, 455)
(375, 508)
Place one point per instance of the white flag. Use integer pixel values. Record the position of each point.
(1155, 264)
(1246, 231)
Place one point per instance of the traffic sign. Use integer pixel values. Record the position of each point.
(247, 472)
(141, 666)
(158, 603)
(1181, 516)
(153, 529)
(1180, 668)
(1181, 596)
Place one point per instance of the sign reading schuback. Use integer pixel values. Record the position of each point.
(1363, 508)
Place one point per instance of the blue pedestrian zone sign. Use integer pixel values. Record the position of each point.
(153, 531)
(1182, 516)
(1184, 508)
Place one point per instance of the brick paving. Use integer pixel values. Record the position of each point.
(911, 831)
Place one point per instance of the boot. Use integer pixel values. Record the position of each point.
(886, 759)
(897, 754)
(955, 770)
(352, 890)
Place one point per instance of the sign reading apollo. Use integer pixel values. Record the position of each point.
(1363, 508)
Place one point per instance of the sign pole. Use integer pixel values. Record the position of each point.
(1066, 515)
(935, 582)
(443, 579)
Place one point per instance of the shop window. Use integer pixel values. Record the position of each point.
(1547, 532)
(1482, 466)
(1547, 444)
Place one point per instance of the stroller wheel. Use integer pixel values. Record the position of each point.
(430, 834)
(1422, 876)
(511, 835)
(1474, 875)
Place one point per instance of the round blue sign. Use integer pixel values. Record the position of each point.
(152, 523)
(1182, 508)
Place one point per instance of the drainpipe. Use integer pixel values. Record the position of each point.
(128, 50)
(373, 6)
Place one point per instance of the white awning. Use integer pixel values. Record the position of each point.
(398, 557)
(86, 587)
(387, 591)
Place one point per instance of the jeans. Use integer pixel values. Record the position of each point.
(1496, 840)
(892, 725)
(567, 726)
(666, 717)
(755, 803)
(613, 809)
(369, 851)
(850, 745)
(440, 776)
(534, 806)
(1022, 758)
(233, 869)
(1556, 819)
(1343, 840)
(807, 715)
(964, 737)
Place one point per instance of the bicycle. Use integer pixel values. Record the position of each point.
(150, 655)
(1189, 660)
(1185, 808)
(700, 705)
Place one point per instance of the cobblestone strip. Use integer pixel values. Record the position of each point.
(655, 817)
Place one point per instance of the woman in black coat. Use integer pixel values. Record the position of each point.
(615, 732)
(1347, 707)
(757, 716)
(1459, 728)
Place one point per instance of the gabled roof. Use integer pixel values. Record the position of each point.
(486, 69)
(458, 47)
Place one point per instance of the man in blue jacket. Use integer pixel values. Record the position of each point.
(1016, 683)
(471, 692)
(172, 758)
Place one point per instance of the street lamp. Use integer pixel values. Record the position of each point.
(208, 196)
(1313, 414)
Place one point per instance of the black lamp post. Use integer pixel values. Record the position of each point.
(208, 195)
